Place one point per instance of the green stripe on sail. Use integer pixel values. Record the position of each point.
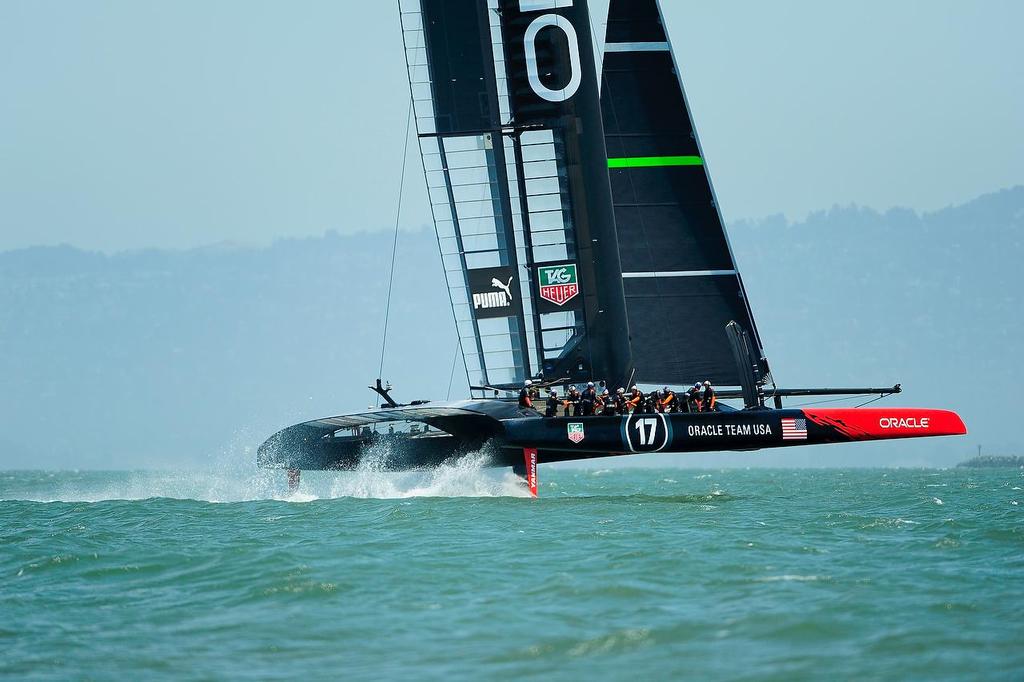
(655, 161)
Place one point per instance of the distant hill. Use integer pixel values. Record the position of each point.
(933, 300)
(168, 358)
(993, 462)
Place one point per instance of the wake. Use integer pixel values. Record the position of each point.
(235, 480)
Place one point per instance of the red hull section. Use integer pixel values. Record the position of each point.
(885, 424)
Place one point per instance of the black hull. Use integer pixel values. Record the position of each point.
(454, 429)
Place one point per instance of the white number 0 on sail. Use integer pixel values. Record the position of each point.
(530, 40)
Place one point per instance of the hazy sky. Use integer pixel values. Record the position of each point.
(126, 124)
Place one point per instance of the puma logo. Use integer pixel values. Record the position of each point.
(507, 288)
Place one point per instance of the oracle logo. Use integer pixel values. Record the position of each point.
(556, 21)
(904, 423)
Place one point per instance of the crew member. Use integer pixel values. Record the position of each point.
(524, 395)
(608, 408)
(551, 408)
(620, 401)
(693, 397)
(573, 402)
(709, 403)
(633, 399)
(589, 399)
(534, 391)
(644, 406)
(669, 402)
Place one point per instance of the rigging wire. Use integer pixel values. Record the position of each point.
(455, 362)
(394, 245)
(830, 400)
(596, 40)
(884, 395)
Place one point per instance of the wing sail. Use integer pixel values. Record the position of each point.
(510, 128)
(455, 98)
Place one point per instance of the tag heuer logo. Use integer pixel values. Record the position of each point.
(576, 432)
(558, 284)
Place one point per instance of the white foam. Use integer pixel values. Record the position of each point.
(234, 477)
(468, 476)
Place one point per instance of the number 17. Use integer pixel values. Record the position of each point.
(647, 429)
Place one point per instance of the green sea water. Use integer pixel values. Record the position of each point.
(453, 574)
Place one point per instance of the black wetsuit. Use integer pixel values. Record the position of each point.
(692, 396)
(524, 398)
(575, 404)
(620, 404)
(589, 399)
(709, 400)
(551, 409)
(608, 410)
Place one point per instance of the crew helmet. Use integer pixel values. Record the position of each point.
(590, 384)
(634, 388)
(529, 383)
(707, 383)
(621, 390)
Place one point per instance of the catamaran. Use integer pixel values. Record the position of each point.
(582, 242)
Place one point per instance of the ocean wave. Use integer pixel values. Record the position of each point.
(791, 578)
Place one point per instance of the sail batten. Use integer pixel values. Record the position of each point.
(680, 273)
(655, 46)
(654, 161)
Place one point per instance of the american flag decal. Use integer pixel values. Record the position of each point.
(794, 429)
